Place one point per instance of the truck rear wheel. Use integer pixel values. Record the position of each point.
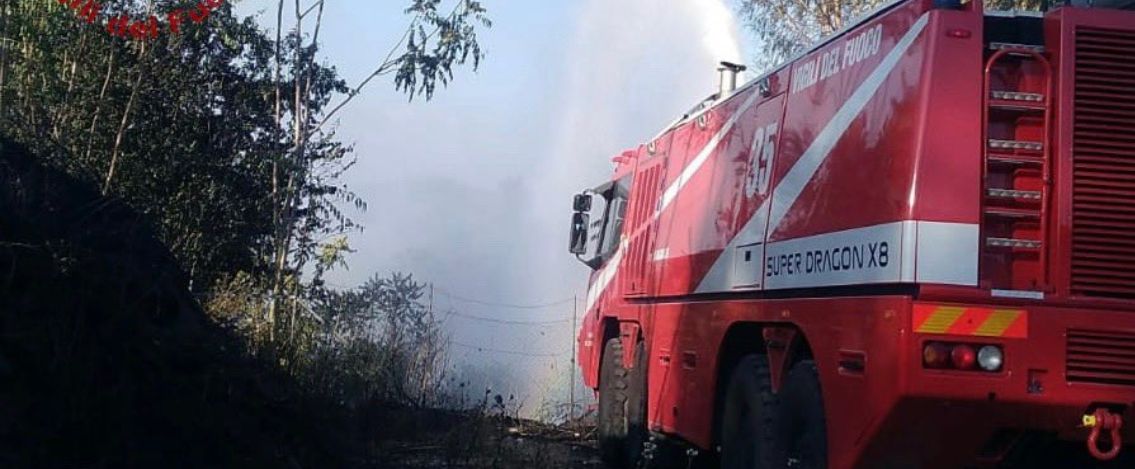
(803, 426)
(749, 419)
(612, 431)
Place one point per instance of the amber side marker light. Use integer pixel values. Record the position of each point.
(936, 355)
(962, 357)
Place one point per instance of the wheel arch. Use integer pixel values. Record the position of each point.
(783, 343)
(610, 327)
(606, 329)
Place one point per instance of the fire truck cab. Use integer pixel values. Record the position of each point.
(913, 245)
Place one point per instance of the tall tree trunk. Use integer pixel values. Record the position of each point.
(125, 121)
(5, 42)
(276, 203)
(129, 106)
(98, 104)
(66, 107)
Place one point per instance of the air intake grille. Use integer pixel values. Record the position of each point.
(1101, 357)
(1103, 164)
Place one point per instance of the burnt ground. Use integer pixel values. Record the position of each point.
(445, 439)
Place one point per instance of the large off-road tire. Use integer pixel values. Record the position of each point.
(803, 428)
(749, 419)
(613, 422)
(637, 432)
(622, 406)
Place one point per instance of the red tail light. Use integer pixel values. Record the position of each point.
(963, 357)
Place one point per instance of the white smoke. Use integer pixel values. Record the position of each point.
(472, 191)
(720, 40)
(635, 65)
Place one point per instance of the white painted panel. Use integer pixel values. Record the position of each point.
(859, 256)
(748, 266)
(948, 253)
(909, 243)
(773, 209)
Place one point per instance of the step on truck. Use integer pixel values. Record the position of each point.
(911, 246)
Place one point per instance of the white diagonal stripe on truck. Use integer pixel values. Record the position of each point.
(789, 188)
(607, 273)
(695, 164)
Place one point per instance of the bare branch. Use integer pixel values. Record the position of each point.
(425, 61)
(384, 67)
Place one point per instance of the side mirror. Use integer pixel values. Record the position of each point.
(579, 222)
(582, 203)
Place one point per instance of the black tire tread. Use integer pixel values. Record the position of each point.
(751, 375)
(612, 428)
(802, 418)
(637, 433)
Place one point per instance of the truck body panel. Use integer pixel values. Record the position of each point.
(910, 180)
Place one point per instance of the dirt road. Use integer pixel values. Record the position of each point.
(440, 439)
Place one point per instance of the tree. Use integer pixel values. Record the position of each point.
(210, 153)
(785, 27)
(433, 44)
(222, 134)
(379, 341)
(173, 126)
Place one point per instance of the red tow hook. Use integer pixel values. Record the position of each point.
(1102, 419)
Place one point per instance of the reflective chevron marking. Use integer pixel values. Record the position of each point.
(969, 321)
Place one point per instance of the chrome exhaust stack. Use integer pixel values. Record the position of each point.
(728, 72)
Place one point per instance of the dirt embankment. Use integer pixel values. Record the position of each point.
(107, 360)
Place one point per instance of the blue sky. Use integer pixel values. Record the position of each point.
(472, 190)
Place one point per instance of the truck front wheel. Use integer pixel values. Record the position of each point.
(613, 425)
(637, 433)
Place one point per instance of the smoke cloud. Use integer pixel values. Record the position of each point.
(633, 68)
(472, 191)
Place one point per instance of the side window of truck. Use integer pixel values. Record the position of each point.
(615, 216)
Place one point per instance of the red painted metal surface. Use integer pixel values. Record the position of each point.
(1101, 356)
(850, 206)
(1103, 194)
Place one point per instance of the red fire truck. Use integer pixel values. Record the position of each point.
(911, 246)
